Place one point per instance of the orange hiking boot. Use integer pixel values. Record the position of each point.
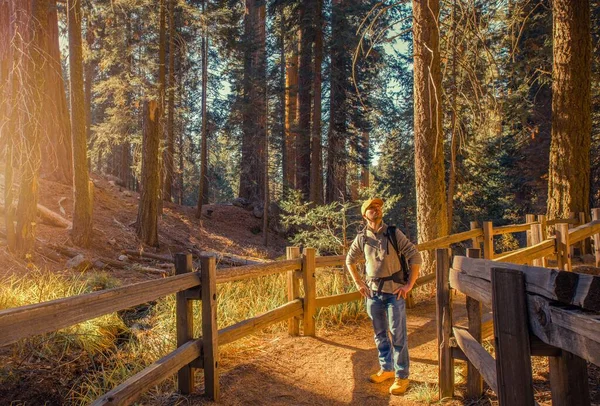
(381, 376)
(399, 386)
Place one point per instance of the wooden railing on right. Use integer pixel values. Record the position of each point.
(536, 311)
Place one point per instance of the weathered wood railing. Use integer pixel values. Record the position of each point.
(192, 353)
(536, 311)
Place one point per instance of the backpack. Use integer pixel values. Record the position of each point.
(403, 275)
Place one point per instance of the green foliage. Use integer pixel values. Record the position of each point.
(325, 228)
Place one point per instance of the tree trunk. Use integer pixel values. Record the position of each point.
(147, 219)
(8, 116)
(432, 219)
(170, 149)
(453, 135)
(203, 189)
(57, 164)
(291, 116)
(31, 28)
(283, 98)
(252, 171)
(162, 45)
(125, 163)
(365, 161)
(82, 207)
(569, 171)
(316, 173)
(89, 79)
(303, 142)
(338, 114)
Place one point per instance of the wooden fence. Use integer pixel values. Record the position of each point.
(535, 311)
(193, 353)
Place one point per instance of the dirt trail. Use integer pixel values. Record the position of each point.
(331, 369)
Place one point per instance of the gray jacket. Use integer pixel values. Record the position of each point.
(380, 257)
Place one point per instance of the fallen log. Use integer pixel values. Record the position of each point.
(226, 259)
(51, 218)
(144, 254)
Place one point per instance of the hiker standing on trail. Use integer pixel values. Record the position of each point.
(392, 267)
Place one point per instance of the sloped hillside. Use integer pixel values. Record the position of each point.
(227, 230)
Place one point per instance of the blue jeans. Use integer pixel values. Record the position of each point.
(389, 314)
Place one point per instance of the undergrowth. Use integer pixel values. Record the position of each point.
(102, 353)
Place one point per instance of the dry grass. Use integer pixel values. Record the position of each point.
(113, 347)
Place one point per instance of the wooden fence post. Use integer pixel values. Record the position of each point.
(513, 359)
(310, 294)
(488, 240)
(474, 379)
(536, 238)
(475, 241)
(541, 218)
(583, 244)
(596, 216)
(210, 345)
(293, 290)
(563, 251)
(529, 218)
(569, 380)
(184, 324)
(444, 324)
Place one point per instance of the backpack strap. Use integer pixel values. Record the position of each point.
(391, 235)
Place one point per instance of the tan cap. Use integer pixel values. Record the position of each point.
(368, 203)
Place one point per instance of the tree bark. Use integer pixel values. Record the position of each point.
(569, 170)
(303, 141)
(89, 79)
(170, 148)
(31, 26)
(203, 189)
(365, 161)
(58, 163)
(432, 219)
(252, 170)
(316, 170)
(291, 116)
(147, 218)
(82, 207)
(162, 45)
(8, 115)
(338, 114)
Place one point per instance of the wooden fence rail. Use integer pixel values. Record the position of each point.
(536, 311)
(193, 353)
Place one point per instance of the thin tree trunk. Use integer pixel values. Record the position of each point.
(82, 207)
(170, 149)
(162, 45)
(303, 141)
(283, 100)
(453, 135)
(316, 173)
(125, 163)
(147, 219)
(365, 161)
(88, 73)
(291, 116)
(203, 194)
(569, 172)
(432, 218)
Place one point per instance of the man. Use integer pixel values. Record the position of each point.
(385, 291)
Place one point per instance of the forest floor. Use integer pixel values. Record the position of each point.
(269, 369)
(333, 368)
